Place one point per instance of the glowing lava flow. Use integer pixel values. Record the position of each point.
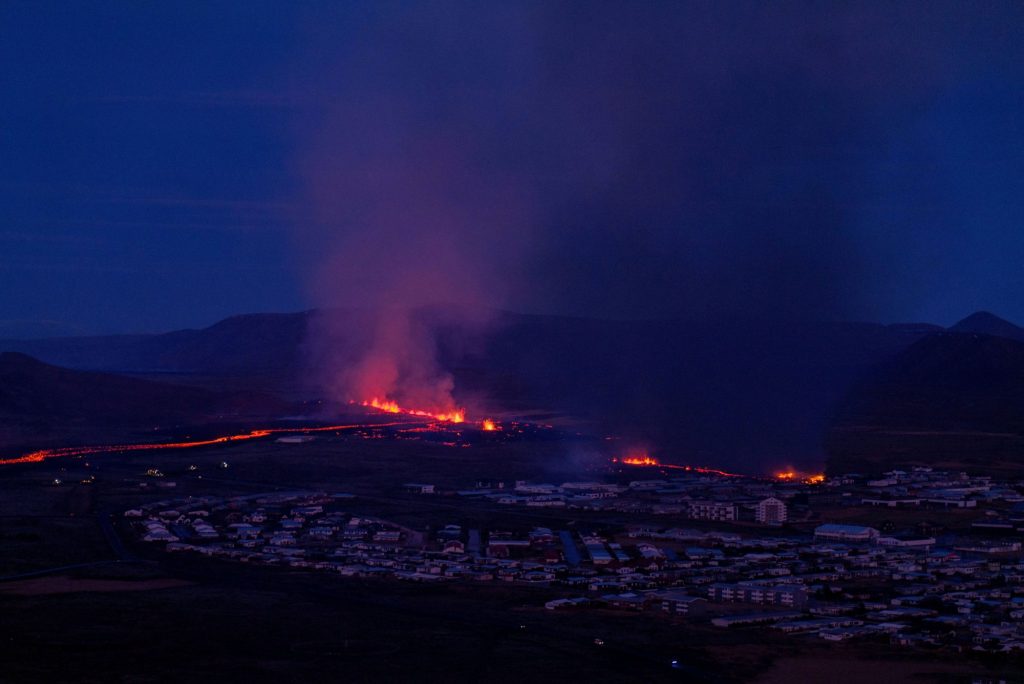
(645, 460)
(640, 461)
(790, 475)
(43, 454)
(387, 406)
(488, 425)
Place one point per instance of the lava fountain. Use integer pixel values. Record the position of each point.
(453, 415)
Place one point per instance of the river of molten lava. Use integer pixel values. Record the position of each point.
(644, 460)
(43, 454)
(451, 416)
(788, 475)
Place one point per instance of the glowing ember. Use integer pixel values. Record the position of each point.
(488, 425)
(455, 415)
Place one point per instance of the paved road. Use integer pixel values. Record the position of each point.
(105, 520)
(59, 568)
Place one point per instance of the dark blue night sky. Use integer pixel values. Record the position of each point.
(163, 165)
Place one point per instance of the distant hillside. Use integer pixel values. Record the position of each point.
(39, 401)
(240, 344)
(747, 394)
(986, 323)
(952, 399)
(744, 393)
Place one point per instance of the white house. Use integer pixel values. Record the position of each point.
(770, 511)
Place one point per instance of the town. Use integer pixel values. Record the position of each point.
(940, 567)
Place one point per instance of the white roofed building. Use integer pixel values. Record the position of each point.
(770, 511)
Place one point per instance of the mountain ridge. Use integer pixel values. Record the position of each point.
(955, 398)
(41, 403)
(987, 323)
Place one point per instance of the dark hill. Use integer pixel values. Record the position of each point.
(241, 344)
(951, 399)
(985, 323)
(745, 394)
(39, 401)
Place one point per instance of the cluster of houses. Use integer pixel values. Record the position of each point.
(926, 487)
(844, 582)
(960, 590)
(697, 497)
(705, 495)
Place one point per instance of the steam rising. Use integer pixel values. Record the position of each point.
(416, 240)
(618, 160)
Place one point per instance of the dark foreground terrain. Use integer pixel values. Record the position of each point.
(127, 612)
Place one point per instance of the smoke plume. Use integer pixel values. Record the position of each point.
(617, 160)
(415, 235)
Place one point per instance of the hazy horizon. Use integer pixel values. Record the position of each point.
(9, 329)
(851, 162)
